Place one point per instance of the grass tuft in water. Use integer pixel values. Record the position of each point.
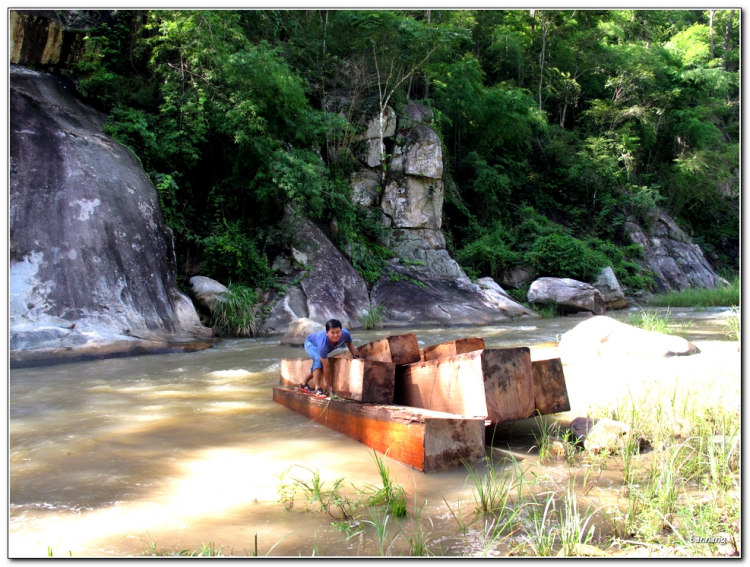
(658, 322)
(372, 318)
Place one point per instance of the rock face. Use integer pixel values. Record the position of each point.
(606, 282)
(606, 336)
(90, 255)
(423, 285)
(670, 254)
(299, 330)
(329, 287)
(569, 295)
(51, 38)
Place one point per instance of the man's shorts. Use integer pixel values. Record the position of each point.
(312, 350)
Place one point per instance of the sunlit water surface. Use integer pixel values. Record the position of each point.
(111, 457)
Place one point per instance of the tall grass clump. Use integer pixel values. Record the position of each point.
(392, 494)
(658, 322)
(237, 313)
(373, 318)
(721, 296)
(734, 325)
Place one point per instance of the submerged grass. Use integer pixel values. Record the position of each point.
(680, 481)
(722, 296)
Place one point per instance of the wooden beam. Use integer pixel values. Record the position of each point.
(492, 383)
(550, 392)
(451, 348)
(399, 349)
(426, 440)
(360, 380)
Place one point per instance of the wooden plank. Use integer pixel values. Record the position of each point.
(399, 349)
(425, 440)
(453, 384)
(550, 392)
(509, 387)
(491, 383)
(451, 348)
(360, 380)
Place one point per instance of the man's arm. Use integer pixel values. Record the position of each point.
(350, 346)
(327, 372)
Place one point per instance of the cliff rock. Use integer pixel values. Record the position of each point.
(677, 263)
(329, 289)
(90, 255)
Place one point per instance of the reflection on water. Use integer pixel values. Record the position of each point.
(182, 449)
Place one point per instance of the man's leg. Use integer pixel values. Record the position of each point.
(317, 377)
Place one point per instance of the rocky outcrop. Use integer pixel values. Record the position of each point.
(607, 337)
(91, 260)
(670, 254)
(413, 301)
(569, 295)
(327, 287)
(411, 202)
(52, 38)
(299, 330)
(606, 282)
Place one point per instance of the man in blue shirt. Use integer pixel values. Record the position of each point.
(318, 345)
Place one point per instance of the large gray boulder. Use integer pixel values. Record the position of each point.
(414, 301)
(90, 254)
(607, 337)
(677, 263)
(606, 282)
(330, 288)
(206, 292)
(569, 295)
(299, 330)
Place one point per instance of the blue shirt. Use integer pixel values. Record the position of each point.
(320, 340)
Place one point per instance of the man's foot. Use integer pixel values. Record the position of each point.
(305, 388)
(319, 393)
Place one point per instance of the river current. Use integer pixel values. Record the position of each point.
(170, 452)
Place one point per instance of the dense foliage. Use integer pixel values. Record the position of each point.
(558, 127)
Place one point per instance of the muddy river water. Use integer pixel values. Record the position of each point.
(111, 457)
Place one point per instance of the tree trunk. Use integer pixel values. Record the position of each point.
(541, 60)
(711, 30)
(726, 41)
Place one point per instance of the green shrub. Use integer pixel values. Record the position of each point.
(489, 254)
(237, 313)
(560, 255)
(230, 255)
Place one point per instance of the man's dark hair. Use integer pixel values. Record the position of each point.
(333, 324)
